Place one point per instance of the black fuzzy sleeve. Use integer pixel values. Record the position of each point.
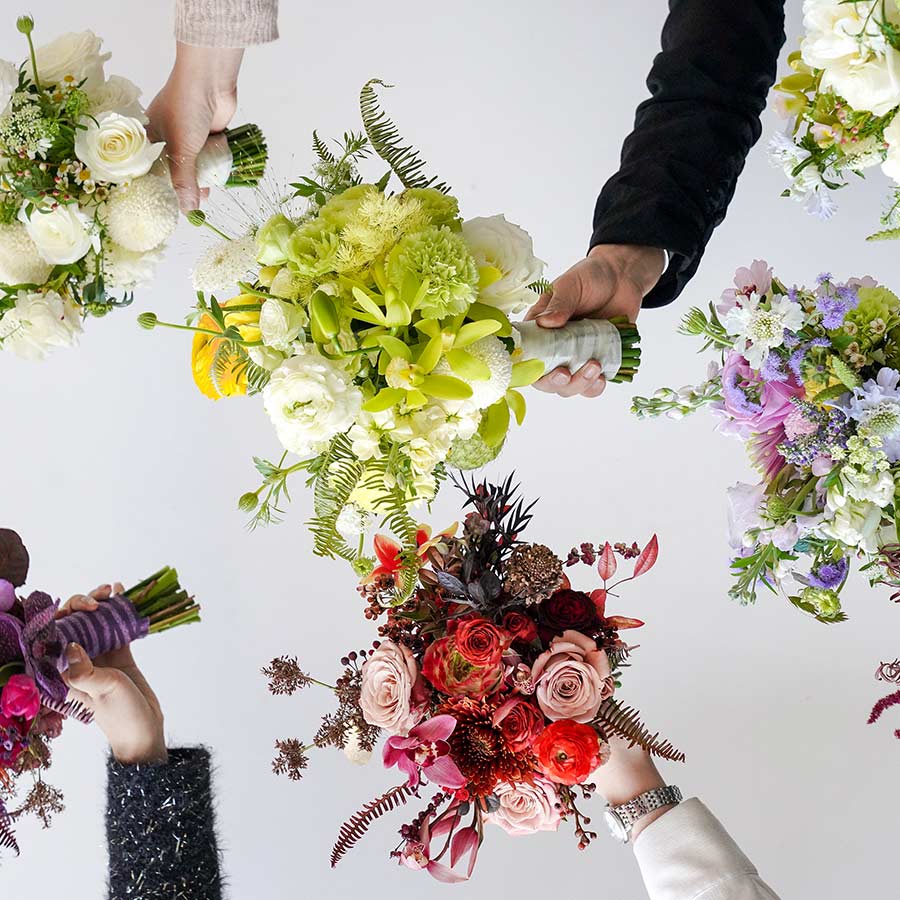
(160, 830)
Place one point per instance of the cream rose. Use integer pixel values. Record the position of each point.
(506, 262)
(118, 95)
(38, 323)
(63, 235)
(526, 808)
(280, 323)
(76, 55)
(310, 399)
(873, 84)
(9, 81)
(572, 678)
(391, 697)
(115, 148)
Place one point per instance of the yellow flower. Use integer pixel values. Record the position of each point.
(228, 378)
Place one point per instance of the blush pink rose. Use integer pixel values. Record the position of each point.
(572, 678)
(393, 694)
(526, 808)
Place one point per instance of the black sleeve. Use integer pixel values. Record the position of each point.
(160, 830)
(681, 163)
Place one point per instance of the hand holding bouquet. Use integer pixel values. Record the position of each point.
(494, 682)
(86, 203)
(33, 642)
(842, 101)
(809, 379)
(376, 327)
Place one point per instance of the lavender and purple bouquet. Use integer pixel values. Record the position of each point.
(809, 380)
(33, 695)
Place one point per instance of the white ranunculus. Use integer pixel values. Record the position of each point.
(38, 323)
(63, 235)
(876, 487)
(126, 270)
(310, 399)
(20, 262)
(505, 256)
(266, 358)
(872, 85)
(856, 525)
(9, 81)
(891, 164)
(280, 323)
(76, 55)
(115, 148)
(118, 95)
(832, 30)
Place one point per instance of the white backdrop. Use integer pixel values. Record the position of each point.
(113, 464)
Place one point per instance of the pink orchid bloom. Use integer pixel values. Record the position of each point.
(753, 279)
(426, 752)
(416, 854)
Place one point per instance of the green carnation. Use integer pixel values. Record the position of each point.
(313, 248)
(272, 241)
(440, 209)
(826, 603)
(341, 208)
(472, 453)
(441, 258)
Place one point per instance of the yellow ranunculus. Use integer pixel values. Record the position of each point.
(232, 378)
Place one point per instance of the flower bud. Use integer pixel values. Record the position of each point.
(148, 320)
(196, 217)
(248, 502)
(25, 24)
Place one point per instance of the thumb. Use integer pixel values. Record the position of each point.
(82, 675)
(553, 310)
(183, 169)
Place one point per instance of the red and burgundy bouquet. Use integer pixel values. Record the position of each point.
(33, 641)
(494, 680)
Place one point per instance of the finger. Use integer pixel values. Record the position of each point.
(183, 169)
(81, 670)
(204, 193)
(538, 307)
(78, 603)
(102, 592)
(118, 588)
(554, 382)
(596, 389)
(585, 379)
(557, 310)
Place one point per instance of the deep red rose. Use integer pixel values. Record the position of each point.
(568, 609)
(568, 751)
(452, 674)
(520, 723)
(20, 698)
(480, 642)
(520, 626)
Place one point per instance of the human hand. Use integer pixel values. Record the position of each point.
(199, 99)
(116, 692)
(610, 281)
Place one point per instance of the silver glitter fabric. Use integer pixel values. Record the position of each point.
(160, 828)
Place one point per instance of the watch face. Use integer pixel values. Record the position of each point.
(616, 825)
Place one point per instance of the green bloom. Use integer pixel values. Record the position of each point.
(437, 261)
(826, 603)
(312, 250)
(272, 241)
(874, 303)
(472, 453)
(440, 209)
(341, 208)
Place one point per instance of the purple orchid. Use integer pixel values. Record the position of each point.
(426, 752)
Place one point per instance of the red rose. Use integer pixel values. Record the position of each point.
(566, 610)
(568, 751)
(520, 626)
(452, 674)
(479, 642)
(520, 723)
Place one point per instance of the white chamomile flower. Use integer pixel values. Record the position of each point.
(763, 329)
(224, 264)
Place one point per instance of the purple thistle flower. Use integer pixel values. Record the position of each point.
(736, 397)
(790, 339)
(829, 576)
(824, 277)
(774, 368)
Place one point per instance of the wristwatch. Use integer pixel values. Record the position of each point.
(621, 819)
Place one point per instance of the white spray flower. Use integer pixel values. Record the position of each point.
(38, 323)
(224, 264)
(20, 261)
(143, 214)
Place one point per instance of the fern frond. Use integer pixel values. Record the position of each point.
(7, 836)
(387, 143)
(541, 286)
(320, 148)
(358, 824)
(626, 723)
(889, 234)
(334, 481)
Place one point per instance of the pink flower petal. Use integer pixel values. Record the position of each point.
(437, 729)
(464, 841)
(440, 872)
(445, 773)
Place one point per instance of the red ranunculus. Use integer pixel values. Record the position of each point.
(520, 723)
(568, 751)
(452, 674)
(20, 698)
(566, 610)
(520, 626)
(480, 642)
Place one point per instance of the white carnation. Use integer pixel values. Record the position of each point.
(493, 353)
(76, 56)
(115, 148)
(280, 323)
(38, 323)
(143, 214)
(117, 95)
(20, 261)
(310, 399)
(505, 256)
(126, 270)
(9, 81)
(224, 264)
(63, 235)
(856, 525)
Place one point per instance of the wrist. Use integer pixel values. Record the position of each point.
(628, 774)
(642, 266)
(215, 70)
(147, 750)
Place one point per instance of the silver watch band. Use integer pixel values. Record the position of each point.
(628, 813)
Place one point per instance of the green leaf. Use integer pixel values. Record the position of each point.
(526, 372)
(516, 403)
(446, 387)
(889, 234)
(384, 399)
(495, 423)
(467, 366)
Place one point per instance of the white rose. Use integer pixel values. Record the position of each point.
(126, 270)
(505, 257)
(76, 55)
(873, 85)
(280, 323)
(63, 235)
(831, 30)
(856, 525)
(115, 148)
(9, 81)
(891, 164)
(20, 262)
(118, 95)
(310, 399)
(39, 322)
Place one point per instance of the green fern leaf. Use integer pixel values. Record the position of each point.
(889, 234)
(326, 157)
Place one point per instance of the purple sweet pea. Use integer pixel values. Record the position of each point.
(426, 752)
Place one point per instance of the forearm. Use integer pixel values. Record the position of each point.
(160, 829)
(226, 23)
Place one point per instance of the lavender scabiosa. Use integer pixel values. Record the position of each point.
(829, 575)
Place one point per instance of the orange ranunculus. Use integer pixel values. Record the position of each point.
(568, 751)
(229, 377)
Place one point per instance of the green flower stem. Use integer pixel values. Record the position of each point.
(255, 292)
(33, 55)
(161, 600)
(802, 494)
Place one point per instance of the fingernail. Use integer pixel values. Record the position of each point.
(592, 370)
(559, 379)
(74, 654)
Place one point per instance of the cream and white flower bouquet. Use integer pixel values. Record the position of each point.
(376, 325)
(86, 202)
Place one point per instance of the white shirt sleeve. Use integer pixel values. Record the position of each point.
(686, 854)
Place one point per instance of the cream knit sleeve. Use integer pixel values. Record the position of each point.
(226, 23)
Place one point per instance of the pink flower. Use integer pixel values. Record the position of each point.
(572, 678)
(526, 808)
(20, 698)
(7, 595)
(426, 752)
(393, 694)
(757, 279)
(416, 853)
